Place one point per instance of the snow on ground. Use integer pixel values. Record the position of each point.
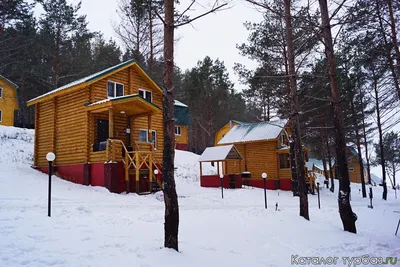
(92, 227)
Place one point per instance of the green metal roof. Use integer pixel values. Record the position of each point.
(181, 113)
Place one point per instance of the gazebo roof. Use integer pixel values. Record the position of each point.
(220, 153)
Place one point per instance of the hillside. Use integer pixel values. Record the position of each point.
(92, 227)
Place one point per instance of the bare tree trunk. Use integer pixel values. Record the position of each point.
(378, 117)
(365, 137)
(295, 115)
(346, 213)
(389, 54)
(360, 160)
(324, 162)
(171, 224)
(394, 37)
(332, 188)
(151, 56)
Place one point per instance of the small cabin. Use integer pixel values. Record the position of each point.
(182, 122)
(353, 164)
(264, 147)
(8, 101)
(316, 165)
(105, 129)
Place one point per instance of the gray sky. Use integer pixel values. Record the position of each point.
(215, 35)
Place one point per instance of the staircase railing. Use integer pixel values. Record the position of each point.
(134, 160)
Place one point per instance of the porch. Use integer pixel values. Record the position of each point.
(113, 124)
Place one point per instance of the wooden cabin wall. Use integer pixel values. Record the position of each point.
(260, 157)
(142, 122)
(183, 138)
(8, 103)
(71, 128)
(44, 125)
(132, 82)
(355, 176)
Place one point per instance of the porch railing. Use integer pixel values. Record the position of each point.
(142, 156)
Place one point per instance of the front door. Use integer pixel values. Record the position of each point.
(102, 130)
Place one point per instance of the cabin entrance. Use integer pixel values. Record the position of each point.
(102, 130)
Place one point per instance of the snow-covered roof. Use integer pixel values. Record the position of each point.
(220, 153)
(375, 179)
(253, 132)
(317, 163)
(85, 79)
(309, 166)
(179, 103)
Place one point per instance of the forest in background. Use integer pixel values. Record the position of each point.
(42, 53)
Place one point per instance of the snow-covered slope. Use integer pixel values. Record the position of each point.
(16, 145)
(92, 227)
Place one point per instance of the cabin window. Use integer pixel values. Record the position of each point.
(351, 169)
(115, 89)
(284, 161)
(282, 139)
(1, 116)
(177, 130)
(144, 137)
(1, 92)
(146, 95)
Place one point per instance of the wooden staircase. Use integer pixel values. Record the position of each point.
(136, 162)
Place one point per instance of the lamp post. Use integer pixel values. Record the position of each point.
(370, 197)
(222, 184)
(264, 176)
(155, 176)
(50, 158)
(319, 203)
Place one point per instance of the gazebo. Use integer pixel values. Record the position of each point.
(221, 154)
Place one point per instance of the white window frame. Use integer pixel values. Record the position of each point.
(351, 169)
(145, 94)
(180, 130)
(115, 89)
(154, 132)
(282, 139)
(1, 92)
(1, 115)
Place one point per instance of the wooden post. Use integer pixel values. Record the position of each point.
(150, 171)
(110, 123)
(137, 172)
(127, 164)
(218, 168)
(150, 133)
(201, 170)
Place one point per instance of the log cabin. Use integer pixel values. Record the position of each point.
(316, 165)
(264, 147)
(8, 101)
(354, 167)
(105, 129)
(225, 129)
(182, 122)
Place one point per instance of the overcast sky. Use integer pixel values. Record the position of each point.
(215, 35)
